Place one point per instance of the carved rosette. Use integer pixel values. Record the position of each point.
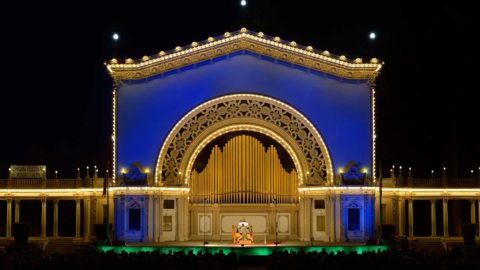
(300, 131)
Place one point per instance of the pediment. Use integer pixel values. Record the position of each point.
(258, 43)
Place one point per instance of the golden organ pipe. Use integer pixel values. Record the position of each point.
(243, 171)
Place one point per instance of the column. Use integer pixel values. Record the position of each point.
(331, 221)
(445, 217)
(160, 217)
(185, 223)
(77, 219)
(155, 220)
(472, 211)
(150, 219)
(17, 211)
(55, 218)
(410, 217)
(433, 217)
(9, 218)
(43, 226)
(338, 222)
(302, 218)
(401, 216)
(478, 202)
(180, 222)
(86, 218)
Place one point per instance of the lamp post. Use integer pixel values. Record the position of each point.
(107, 219)
(380, 214)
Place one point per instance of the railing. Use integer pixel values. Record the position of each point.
(432, 182)
(226, 198)
(244, 198)
(51, 183)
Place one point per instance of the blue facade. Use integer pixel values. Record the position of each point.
(148, 109)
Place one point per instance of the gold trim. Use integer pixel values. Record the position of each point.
(250, 41)
(220, 111)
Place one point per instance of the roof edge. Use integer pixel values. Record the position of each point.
(244, 39)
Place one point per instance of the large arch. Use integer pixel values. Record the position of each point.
(264, 113)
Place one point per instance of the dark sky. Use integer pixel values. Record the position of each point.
(56, 93)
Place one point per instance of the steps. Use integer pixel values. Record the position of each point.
(431, 245)
(64, 245)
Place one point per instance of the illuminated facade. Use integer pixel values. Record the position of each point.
(244, 127)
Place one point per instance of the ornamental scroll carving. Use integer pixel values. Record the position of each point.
(246, 107)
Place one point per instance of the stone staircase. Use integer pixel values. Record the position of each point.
(431, 245)
(64, 245)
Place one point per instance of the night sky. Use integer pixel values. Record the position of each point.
(56, 93)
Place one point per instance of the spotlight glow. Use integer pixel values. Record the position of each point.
(372, 35)
(243, 3)
(115, 36)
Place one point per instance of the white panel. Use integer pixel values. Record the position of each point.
(205, 223)
(258, 221)
(283, 223)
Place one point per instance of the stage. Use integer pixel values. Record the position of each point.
(260, 249)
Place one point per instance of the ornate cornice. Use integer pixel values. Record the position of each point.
(247, 40)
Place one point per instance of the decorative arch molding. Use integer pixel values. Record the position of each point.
(281, 119)
(241, 124)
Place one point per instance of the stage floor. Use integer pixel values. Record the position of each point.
(230, 244)
(261, 249)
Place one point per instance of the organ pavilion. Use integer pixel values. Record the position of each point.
(242, 127)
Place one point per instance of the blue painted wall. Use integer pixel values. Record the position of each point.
(148, 109)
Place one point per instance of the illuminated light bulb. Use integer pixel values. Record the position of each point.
(372, 35)
(115, 36)
(243, 3)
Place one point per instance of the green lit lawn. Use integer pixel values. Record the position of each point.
(256, 251)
